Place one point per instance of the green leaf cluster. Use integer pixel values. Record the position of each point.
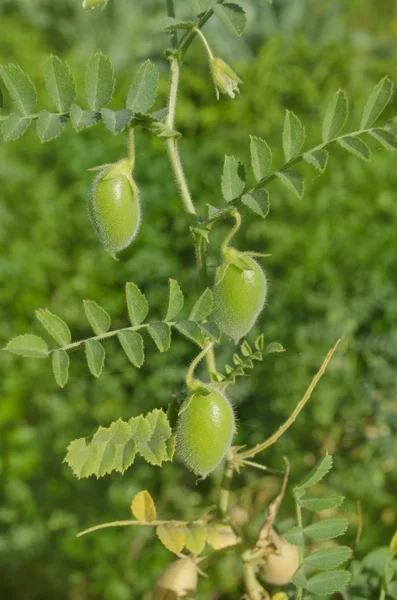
(99, 90)
(196, 329)
(320, 572)
(115, 448)
(233, 181)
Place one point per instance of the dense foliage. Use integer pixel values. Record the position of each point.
(331, 273)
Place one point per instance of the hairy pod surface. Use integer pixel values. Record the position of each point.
(282, 565)
(204, 431)
(179, 580)
(239, 298)
(113, 207)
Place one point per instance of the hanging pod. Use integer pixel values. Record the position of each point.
(239, 294)
(113, 206)
(204, 431)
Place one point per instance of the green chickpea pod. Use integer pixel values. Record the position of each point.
(239, 293)
(113, 206)
(204, 431)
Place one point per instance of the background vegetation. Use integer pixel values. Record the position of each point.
(332, 272)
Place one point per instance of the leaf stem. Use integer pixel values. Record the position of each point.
(287, 424)
(131, 523)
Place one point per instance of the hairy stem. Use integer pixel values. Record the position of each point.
(281, 430)
(171, 13)
(204, 40)
(195, 362)
(188, 38)
(131, 147)
(224, 494)
(172, 144)
(233, 231)
(299, 590)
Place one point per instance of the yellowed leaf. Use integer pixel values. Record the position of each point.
(280, 596)
(220, 536)
(143, 507)
(171, 536)
(195, 537)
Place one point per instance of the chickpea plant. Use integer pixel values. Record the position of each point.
(201, 432)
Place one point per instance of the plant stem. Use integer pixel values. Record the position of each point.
(232, 232)
(132, 523)
(224, 494)
(176, 163)
(131, 147)
(204, 40)
(195, 362)
(299, 590)
(172, 144)
(171, 13)
(188, 38)
(273, 438)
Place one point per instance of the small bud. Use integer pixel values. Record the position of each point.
(94, 3)
(179, 580)
(225, 79)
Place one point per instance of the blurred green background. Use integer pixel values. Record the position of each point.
(332, 272)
